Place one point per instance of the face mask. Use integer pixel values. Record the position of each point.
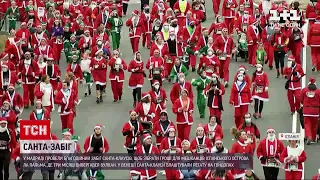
(135, 177)
(146, 10)
(289, 64)
(245, 15)
(174, 25)
(240, 78)
(172, 37)
(171, 134)
(210, 53)
(65, 90)
(2, 129)
(259, 69)
(181, 80)
(4, 69)
(271, 137)
(192, 25)
(157, 86)
(248, 120)
(166, 27)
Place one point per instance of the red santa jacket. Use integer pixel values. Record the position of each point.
(310, 99)
(191, 37)
(10, 116)
(228, 8)
(215, 131)
(242, 23)
(147, 22)
(206, 143)
(198, 15)
(253, 133)
(99, 68)
(160, 131)
(216, 28)
(154, 62)
(280, 39)
(210, 64)
(103, 36)
(45, 115)
(145, 114)
(135, 27)
(115, 74)
(43, 51)
(253, 35)
(240, 94)
(36, 38)
(214, 101)
(30, 74)
(294, 80)
(316, 177)
(219, 44)
(85, 42)
(201, 42)
(102, 18)
(15, 99)
(159, 99)
(166, 144)
(176, 91)
(55, 73)
(265, 8)
(73, 86)
(76, 70)
(132, 137)
(156, 10)
(295, 164)
(313, 38)
(269, 149)
(311, 11)
(242, 148)
(87, 144)
(248, 5)
(163, 49)
(179, 11)
(67, 103)
(23, 35)
(183, 111)
(207, 174)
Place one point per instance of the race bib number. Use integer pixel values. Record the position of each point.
(169, 60)
(211, 134)
(223, 57)
(271, 150)
(41, 11)
(218, 31)
(259, 89)
(293, 166)
(173, 151)
(200, 150)
(271, 164)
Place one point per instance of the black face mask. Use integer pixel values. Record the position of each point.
(203, 76)
(146, 10)
(174, 25)
(192, 25)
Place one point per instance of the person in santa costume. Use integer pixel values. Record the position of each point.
(244, 71)
(213, 129)
(45, 93)
(71, 48)
(293, 156)
(183, 107)
(175, 48)
(293, 74)
(240, 98)
(14, 98)
(39, 113)
(253, 39)
(210, 63)
(28, 73)
(228, 12)
(241, 146)
(146, 36)
(7, 77)
(177, 69)
(200, 144)
(67, 100)
(75, 68)
(242, 23)
(147, 148)
(13, 15)
(312, 11)
(100, 34)
(218, 146)
(224, 47)
(99, 67)
(317, 176)
(296, 42)
(158, 10)
(156, 67)
(116, 75)
(314, 42)
(160, 44)
(136, 27)
(38, 37)
(214, 174)
(203, 39)
(132, 130)
(23, 34)
(53, 71)
(161, 127)
(10, 115)
(248, 6)
(146, 110)
(198, 14)
(44, 49)
(265, 6)
(279, 41)
(266, 36)
(217, 26)
(176, 89)
(260, 94)
(268, 152)
(181, 7)
(159, 98)
(253, 133)
(85, 42)
(201, 83)
(136, 79)
(310, 100)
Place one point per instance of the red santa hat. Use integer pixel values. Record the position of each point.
(155, 82)
(79, 15)
(277, 26)
(172, 33)
(185, 90)
(318, 17)
(133, 172)
(131, 112)
(135, 12)
(204, 29)
(215, 75)
(146, 6)
(181, 75)
(172, 128)
(242, 68)
(218, 139)
(39, 25)
(86, 30)
(23, 24)
(50, 57)
(146, 136)
(291, 58)
(312, 80)
(259, 65)
(5, 64)
(6, 102)
(3, 120)
(159, 35)
(200, 127)
(144, 95)
(39, 101)
(270, 129)
(11, 86)
(98, 126)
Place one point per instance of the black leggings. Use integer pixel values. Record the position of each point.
(4, 164)
(131, 153)
(48, 175)
(258, 106)
(99, 87)
(136, 93)
(143, 3)
(270, 173)
(279, 59)
(125, 8)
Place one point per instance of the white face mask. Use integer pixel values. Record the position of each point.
(157, 86)
(181, 80)
(166, 28)
(210, 53)
(172, 37)
(271, 136)
(4, 69)
(248, 120)
(289, 64)
(2, 129)
(259, 69)
(240, 78)
(135, 177)
(245, 15)
(171, 134)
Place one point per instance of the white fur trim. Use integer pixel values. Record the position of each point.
(135, 172)
(145, 96)
(147, 137)
(218, 141)
(98, 127)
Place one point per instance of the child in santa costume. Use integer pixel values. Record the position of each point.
(146, 111)
(183, 107)
(86, 73)
(162, 127)
(213, 129)
(260, 83)
(159, 98)
(40, 113)
(313, 42)
(200, 144)
(293, 156)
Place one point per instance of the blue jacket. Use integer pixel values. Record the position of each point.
(57, 31)
(188, 174)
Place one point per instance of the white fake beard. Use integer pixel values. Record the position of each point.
(66, 5)
(271, 138)
(3, 129)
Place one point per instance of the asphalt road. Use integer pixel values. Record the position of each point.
(113, 115)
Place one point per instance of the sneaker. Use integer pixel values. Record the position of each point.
(119, 98)
(255, 115)
(101, 100)
(259, 115)
(98, 101)
(85, 94)
(313, 68)
(226, 84)
(134, 104)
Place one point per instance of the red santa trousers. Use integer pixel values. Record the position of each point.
(183, 131)
(146, 40)
(252, 49)
(116, 89)
(293, 175)
(54, 84)
(216, 6)
(135, 44)
(67, 121)
(296, 51)
(193, 58)
(215, 112)
(224, 69)
(239, 113)
(315, 56)
(293, 99)
(57, 48)
(229, 23)
(269, 50)
(28, 93)
(311, 126)
(48, 109)
(169, 66)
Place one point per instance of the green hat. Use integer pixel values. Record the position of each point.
(44, 23)
(66, 132)
(75, 138)
(67, 26)
(72, 35)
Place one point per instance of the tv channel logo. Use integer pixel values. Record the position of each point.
(292, 15)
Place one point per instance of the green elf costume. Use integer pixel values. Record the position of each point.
(51, 4)
(13, 16)
(116, 23)
(201, 83)
(71, 48)
(177, 68)
(260, 56)
(98, 175)
(44, 26)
